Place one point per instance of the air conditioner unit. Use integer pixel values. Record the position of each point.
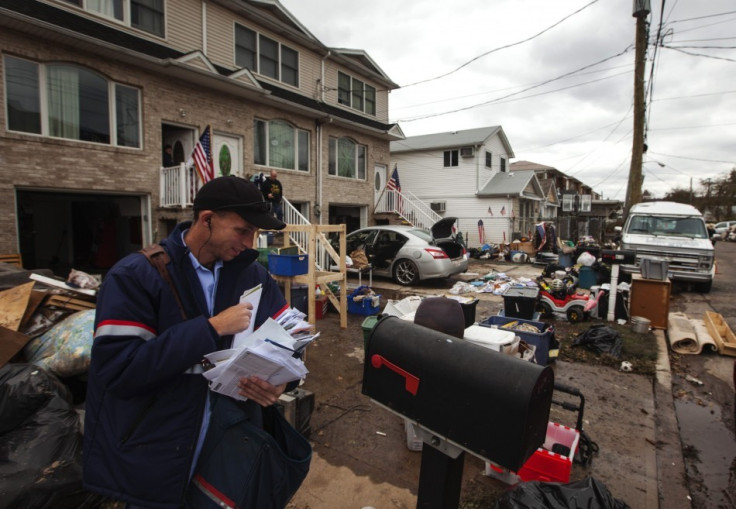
(438, 206)
(467, 152)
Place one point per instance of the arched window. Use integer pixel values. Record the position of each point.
(278, 144)
(347, 158)
(72, 102)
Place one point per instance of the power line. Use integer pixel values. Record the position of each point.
(501, 47)
(519, 92)
(693, 158)
(699, 54)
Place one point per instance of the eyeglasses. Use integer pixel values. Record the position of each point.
(256, 206)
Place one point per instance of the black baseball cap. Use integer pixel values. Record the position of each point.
(240, 196)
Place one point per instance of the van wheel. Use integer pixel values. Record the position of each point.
(704, 287)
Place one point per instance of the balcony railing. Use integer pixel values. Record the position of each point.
(178, 186)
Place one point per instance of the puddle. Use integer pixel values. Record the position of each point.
(702, 429)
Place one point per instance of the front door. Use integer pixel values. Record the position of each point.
(379, 181)
(227, 155)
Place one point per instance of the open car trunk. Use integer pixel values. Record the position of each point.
(443, 237)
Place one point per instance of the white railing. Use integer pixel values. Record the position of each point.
(323, 259)
(408, 206)
(178, 185)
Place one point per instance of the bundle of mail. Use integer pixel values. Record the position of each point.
(272, 352)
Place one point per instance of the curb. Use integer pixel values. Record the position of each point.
(671, 480)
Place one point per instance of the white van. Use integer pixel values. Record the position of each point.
(674, 232)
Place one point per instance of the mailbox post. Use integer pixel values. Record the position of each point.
(463, 398)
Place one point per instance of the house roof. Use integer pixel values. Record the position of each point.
(468, 137)
(528, 165)
(71, 26)
(512, 184)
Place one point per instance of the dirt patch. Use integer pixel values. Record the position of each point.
(352, 435)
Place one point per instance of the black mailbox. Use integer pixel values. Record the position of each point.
(492, 405)
(613, 256)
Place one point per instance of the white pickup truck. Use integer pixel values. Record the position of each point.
(674, 232)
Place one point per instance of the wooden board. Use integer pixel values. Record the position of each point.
(11, 342)
(721, 333)
(13, 304)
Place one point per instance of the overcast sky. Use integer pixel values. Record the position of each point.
(558, 76)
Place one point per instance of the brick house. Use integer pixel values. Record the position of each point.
(92, 90)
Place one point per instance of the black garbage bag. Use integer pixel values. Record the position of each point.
(587, 493)
(600, 339)
(40, 442)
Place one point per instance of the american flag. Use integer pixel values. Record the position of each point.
(202, 156)
(503, 210)
(395, 185)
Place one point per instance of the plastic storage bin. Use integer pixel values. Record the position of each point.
(520, 302)
(321, 306)
(495, 339)
(541, 340)
(368, 325)
(368, 305)
(288, 265)
(550, 463)
(469, 311)
(299, 298)
(364, 306)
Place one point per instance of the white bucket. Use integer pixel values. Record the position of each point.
(640, 325)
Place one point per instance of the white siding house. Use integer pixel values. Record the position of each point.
(465, 174)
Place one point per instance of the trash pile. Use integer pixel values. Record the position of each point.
(47, 330)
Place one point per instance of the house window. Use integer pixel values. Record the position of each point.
(502, 160)
(279, 144)
(146, 15)
(451, 158)
(72, 102)
(245, 47)
(347, 158)
(489, 160)
(356, 94)
(266, 56)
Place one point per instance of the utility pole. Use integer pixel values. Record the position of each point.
(633, 190)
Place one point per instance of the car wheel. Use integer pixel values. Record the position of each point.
(406, 272)
(545, 309)
(575, 314)
(704, 287)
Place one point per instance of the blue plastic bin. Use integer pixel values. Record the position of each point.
(540, 340)
(364, 306)
(288, 265)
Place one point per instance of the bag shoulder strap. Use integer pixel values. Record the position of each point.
(158, 257)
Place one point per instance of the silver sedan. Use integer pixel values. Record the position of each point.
(408, 254)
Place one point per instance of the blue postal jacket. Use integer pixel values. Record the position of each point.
(144, 403)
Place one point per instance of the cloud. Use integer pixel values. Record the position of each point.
(581, 124)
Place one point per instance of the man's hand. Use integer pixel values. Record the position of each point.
(233, 319)
(261, 392)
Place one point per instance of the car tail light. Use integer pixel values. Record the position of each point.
(436, 253)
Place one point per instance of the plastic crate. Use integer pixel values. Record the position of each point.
(547, 466)
(541, 340)
(364, 306)
(320, 306)
(520, 302)
(544, 465)
(288, 265)
(367, 326)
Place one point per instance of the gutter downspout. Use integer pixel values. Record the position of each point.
(204, 28)
(319, 137)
